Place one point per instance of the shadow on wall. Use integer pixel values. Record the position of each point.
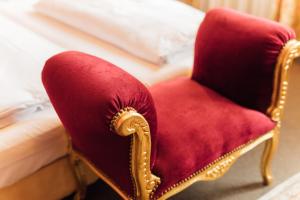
(292, 110)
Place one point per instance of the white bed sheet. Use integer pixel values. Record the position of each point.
(22, 56)
(72, 39)
(38, 139)
(35, 138)
(29, 145)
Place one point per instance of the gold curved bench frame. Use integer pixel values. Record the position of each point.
(129, 123)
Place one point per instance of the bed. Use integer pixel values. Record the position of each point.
(72, 38)
(33, 149)
(33, 146)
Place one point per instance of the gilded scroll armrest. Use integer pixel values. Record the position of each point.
(129, 122)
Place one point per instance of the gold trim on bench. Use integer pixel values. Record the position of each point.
(81, 177)
(288, 54)
(128, 122)
(215, 169)
(290, 51)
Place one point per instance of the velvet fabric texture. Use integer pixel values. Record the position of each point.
(194, 121)
(86, 92)
(196, 126)
(235, 55)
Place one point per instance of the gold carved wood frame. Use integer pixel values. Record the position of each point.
(129, 123)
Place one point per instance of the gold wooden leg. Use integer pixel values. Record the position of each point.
(80, 179)
(269, 151)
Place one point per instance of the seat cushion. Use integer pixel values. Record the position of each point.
(196, 126)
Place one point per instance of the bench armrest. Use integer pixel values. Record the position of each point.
(236, 55)
(91, 96)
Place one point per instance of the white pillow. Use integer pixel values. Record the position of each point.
(155, 30)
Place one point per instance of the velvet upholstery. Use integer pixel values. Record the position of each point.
(86, 92)
(235, 55)
(192, 121)
(197, 128)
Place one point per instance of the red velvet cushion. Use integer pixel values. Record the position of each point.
(86, 92)
(235, 55)
(196, 126)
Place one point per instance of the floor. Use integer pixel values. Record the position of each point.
(243, 181)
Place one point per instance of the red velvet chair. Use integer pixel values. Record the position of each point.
(151, 143)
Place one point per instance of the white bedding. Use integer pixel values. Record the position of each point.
(30, 132)
(155, 30)
(73, 39)
(37, 139)
(30, 144)
(12, 98)
(22, 55)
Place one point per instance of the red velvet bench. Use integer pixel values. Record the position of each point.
(151, 143)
